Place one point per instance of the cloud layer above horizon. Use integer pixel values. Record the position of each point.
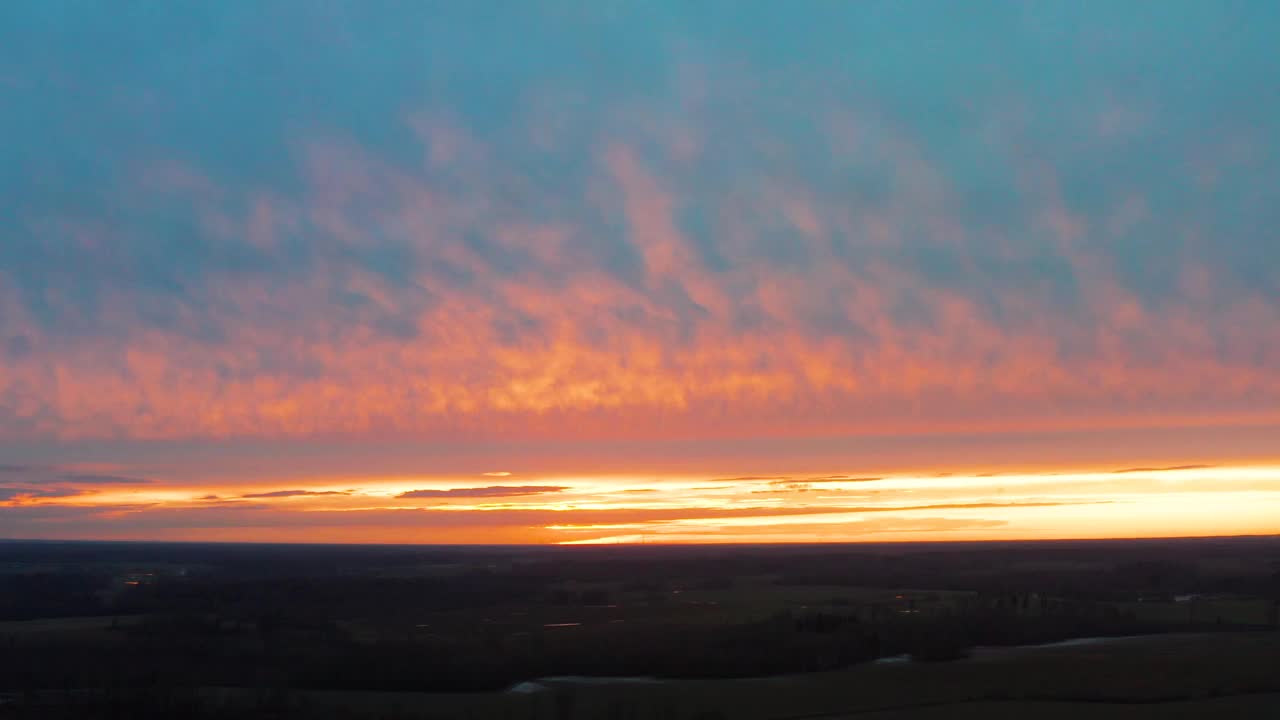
(580, 223)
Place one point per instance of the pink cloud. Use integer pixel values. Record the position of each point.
(557, 346)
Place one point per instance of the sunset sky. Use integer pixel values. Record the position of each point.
(603, 271)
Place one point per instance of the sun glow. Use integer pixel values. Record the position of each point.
(1127, 501)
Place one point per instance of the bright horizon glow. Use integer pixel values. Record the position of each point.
(1202, 500)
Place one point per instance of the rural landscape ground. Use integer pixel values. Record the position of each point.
(1123, 629)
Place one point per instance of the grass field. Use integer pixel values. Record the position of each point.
(1167, 676)
(1244, 707)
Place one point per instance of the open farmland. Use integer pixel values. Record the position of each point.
(633, 633)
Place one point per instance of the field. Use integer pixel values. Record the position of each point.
(1248, 707)
(1156, 677)
(1108, 629)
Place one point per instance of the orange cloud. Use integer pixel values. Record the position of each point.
(534, 335)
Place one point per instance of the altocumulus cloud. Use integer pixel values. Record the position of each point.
(627, 252)
(733, 245)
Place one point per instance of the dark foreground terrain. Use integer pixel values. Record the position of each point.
(1178, 628)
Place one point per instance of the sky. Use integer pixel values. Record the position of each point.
(724, 271)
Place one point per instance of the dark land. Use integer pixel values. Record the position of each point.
(143, 630)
